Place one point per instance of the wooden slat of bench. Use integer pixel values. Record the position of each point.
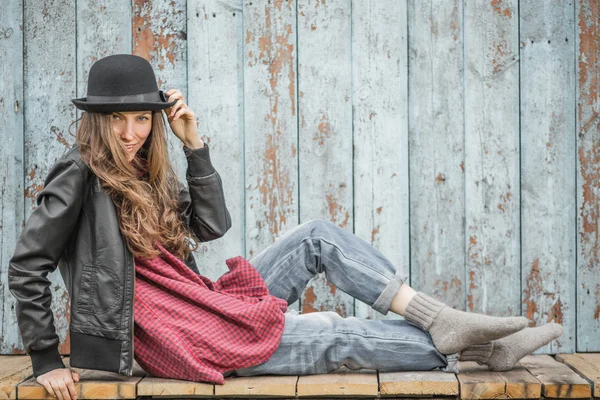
(266, 385)
(160, 387)
(418, 383)
(586, 365)
(92, 385)
(478, 382)
(342, 382)
(558, 380)
(13, 370)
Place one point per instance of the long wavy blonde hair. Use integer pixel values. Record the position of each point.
(147, 205)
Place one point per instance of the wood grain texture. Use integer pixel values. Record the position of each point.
(270, 121)
(271, 385)
(380, 121)
(93, 384)
(12, 170)
(215, 63)
(14, 369)
(50, 83)
(437, 157)
(585, 364)
(478, 382)
(418, 383)
(558, 380)
(161, 387)
(547, 168)
(343, 382)
(325, 132)
(588, 175)
(492, 157)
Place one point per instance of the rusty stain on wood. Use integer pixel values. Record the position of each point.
(151, 40)
(497, 6)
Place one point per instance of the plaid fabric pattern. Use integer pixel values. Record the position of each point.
(188, 327)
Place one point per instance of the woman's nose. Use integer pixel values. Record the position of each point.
(128, 132)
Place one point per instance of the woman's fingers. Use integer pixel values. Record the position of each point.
(179, 113)
(176, 107)
(48, 387)
(174, 94)
(57, 389)
(71, 388)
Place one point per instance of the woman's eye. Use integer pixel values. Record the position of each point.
(144, 118)
(115, 116)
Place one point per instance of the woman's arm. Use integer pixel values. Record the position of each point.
(202, 204)
(37, 253)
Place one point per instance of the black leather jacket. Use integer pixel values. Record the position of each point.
(74, 227)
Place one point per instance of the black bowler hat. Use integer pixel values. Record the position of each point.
(122, 82)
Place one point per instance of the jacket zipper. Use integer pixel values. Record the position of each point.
(129, 265)
(132, 267)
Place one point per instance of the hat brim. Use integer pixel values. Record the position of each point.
(82, 104)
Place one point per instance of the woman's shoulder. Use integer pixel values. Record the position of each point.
(73, 155)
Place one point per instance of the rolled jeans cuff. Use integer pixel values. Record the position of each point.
(384, 301)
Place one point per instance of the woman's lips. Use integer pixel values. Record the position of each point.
(130, 147)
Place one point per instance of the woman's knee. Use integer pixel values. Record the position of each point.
(319, 227)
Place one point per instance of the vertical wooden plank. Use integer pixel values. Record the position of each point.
(11, 162)
(437, 150)
(380, 100)
(159, 35)
(103, 29)
(216, 94)
(492, 157)
(270, 121)
(50, 81)
(547, 167)
(588, 175)
(325, 132)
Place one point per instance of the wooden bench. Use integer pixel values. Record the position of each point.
(567, 376)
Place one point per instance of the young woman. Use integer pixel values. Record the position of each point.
(121, 228)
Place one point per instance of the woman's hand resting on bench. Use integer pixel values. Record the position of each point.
(59, 382)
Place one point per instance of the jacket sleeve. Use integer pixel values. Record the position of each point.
(37, 252)
(202, 203)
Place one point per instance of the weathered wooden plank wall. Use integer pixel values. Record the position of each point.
(458, 138)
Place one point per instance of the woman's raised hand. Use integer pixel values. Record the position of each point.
(59, 383)
(182, 120)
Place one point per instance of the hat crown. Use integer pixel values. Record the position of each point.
(121, 75)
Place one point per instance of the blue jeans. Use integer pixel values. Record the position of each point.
(322, 342)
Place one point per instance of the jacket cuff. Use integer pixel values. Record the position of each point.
(198, 160)
(45, 360)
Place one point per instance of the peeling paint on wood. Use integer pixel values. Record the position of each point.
(12, 169)
(216, 95)
(270, 120)
(588, 177)
(547, 168)
(437, 182)
(492, 158)
(380, 125)
(325, 145)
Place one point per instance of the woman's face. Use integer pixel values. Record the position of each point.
(132, 128)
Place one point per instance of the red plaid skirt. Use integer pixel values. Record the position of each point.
(188, 327)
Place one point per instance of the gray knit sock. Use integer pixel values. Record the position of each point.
(453, 330)
(503, 354)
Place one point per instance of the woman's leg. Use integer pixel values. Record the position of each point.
(357, 268)
(350, 263)
(322, 342)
